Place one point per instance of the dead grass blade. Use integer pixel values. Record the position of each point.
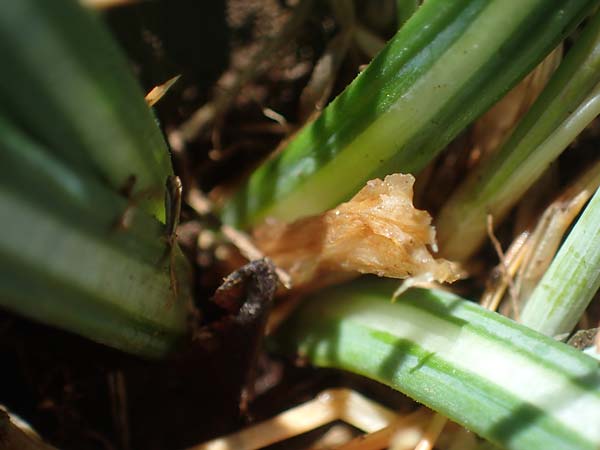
(159, 91)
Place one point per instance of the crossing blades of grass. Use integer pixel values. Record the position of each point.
(570, 101)
(571, 281)
(447, 65)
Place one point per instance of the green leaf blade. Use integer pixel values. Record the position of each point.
(66, 263)
(66, 82)
(408, 104)
(511, 385)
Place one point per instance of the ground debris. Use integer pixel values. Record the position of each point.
(583, 338)
(246, 299)
(247, 292)
(378, 231)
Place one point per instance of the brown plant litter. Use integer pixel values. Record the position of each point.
(378, 231)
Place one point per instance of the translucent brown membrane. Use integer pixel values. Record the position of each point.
(379, 231)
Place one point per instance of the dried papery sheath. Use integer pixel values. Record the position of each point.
(491, 129)
(378, 231)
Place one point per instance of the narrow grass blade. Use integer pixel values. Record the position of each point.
(509, 384)
(64, 79)
(571, 281)
(447, 65)
(65, 262)
(567, 105)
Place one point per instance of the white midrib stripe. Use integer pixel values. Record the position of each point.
(406, 116)
(513, 373)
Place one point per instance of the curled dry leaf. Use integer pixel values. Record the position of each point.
(379, 231)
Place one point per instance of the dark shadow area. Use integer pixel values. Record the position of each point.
(59, 383)
(394, 360)
(527, 415)
(166, 38)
